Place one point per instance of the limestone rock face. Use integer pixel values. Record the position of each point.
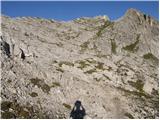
(110, 66)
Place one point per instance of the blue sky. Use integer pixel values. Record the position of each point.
(70, 10)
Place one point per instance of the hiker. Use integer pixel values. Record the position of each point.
(78, 111)
(22, 54)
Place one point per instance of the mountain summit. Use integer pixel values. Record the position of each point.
(109, 67)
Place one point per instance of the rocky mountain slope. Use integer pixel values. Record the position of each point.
(110, 66)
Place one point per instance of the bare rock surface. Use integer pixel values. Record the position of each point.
(110, 66)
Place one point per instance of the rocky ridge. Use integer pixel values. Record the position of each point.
(110, 66)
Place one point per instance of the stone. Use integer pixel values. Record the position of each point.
(110, 66)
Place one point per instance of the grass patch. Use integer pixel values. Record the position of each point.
(138, 85)
(5, 105)
(138, 94)
(101, 56)
(150, 56)
(19, 111)
(106, 24)
(100, 66)
(132, 47)
(91, 71)
(113, 46)
(66, 63)
(82, 64)
(41, 84)
(67, 106)
(91, 61)
(7, 115)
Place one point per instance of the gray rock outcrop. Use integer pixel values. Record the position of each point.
(110, 66)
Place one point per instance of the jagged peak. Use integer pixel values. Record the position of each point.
(137, 13)
(138, 17)
(133, 13)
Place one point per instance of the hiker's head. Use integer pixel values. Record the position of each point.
(78, 103)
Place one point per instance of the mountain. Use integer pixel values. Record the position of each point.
(109, 67)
